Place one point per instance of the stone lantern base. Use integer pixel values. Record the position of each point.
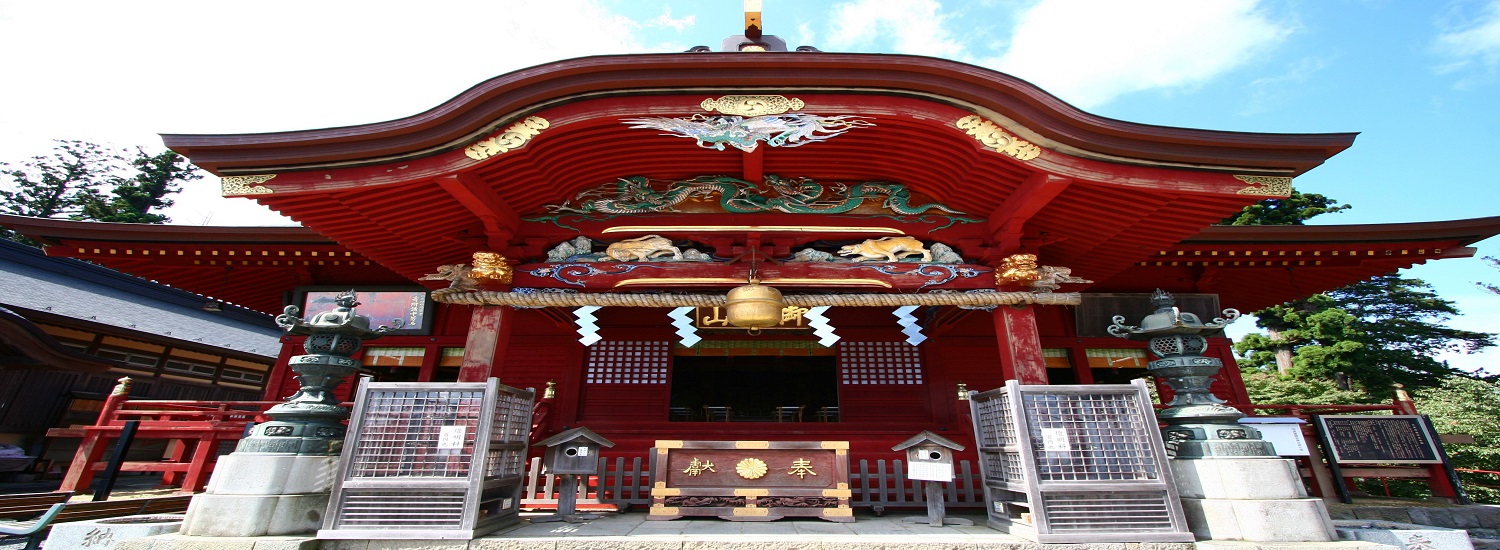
(1250, 499)
(263, 494)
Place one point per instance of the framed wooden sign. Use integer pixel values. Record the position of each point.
(1377, 439)
(751, 480)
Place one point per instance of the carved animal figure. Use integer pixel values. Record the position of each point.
(1051, 277)
(642, 249)
(890, 249)
(457, 273)
(490, 266)
(1017, 269)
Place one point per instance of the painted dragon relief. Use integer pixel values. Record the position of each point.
(638, 195)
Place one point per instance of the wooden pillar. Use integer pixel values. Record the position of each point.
(484, 350)
(1020, 346)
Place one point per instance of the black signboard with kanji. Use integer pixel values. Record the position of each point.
(1402, 439)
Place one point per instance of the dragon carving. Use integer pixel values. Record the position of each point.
(637, 195)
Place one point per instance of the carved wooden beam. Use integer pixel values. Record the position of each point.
(500, 221)
(1008, 221)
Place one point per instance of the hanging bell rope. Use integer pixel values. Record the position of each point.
(979, 299)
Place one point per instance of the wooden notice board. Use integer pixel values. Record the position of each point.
(751, 480)
(1384, 439)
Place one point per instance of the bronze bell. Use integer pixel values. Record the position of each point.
(754, 306)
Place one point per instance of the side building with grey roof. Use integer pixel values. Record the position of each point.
(69, 329)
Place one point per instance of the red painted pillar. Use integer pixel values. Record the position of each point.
(1020, 346)
(484, 350)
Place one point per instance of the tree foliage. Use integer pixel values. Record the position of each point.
(1266, 388)
(1460, 405)
(1387, 329)
(86, 181)
(1384, 330)
(1292, 210)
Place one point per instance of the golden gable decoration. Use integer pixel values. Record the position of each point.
(752, 105)
(991, 135)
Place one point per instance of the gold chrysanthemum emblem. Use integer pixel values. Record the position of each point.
(751, 468)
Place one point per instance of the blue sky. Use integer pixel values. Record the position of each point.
(1419, 80)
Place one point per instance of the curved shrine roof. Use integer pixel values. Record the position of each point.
(507, 165)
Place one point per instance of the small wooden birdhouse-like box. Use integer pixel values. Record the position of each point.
(929, 456)
(574, 451)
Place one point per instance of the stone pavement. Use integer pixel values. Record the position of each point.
(633, 531)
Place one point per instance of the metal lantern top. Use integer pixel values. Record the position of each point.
(341, 320)
(1168, 320)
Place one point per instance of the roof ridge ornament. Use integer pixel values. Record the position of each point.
(1273, 186)
(752, 105)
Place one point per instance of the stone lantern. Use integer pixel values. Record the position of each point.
(1199, 424)
(278, 479)
(311, 420)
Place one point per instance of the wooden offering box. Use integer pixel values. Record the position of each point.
(751, 480)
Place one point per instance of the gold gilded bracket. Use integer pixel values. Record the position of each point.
(514, 138)
(991, 135)
(752, 444)
(752, 105)
(1270, 186)
(668, 444)
(236, 186)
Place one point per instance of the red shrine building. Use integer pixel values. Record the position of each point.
(930, 226)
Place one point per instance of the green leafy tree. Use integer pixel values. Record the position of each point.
(1267, 388)
(1383, 330)
(1292, 210)
(1462, 405)
(1311, 337)
(1494, 262)
(132, 199)
(1403, 325)
(85, 181)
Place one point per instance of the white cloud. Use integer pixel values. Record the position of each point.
(1267, 93)
(1475, 41)
(117, 72)
(665, 20)
(909, 26)
(1090, 51)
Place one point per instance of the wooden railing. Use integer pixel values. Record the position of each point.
(195, 430)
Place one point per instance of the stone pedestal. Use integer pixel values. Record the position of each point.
(263, 494)
(104, 534)
(1249, 499)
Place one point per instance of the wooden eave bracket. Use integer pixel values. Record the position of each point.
(1007, 223)
(499, 219)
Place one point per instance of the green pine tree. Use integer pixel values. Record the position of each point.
(86, 181)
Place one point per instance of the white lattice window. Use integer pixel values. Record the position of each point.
(628, 362)
(879, 363)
